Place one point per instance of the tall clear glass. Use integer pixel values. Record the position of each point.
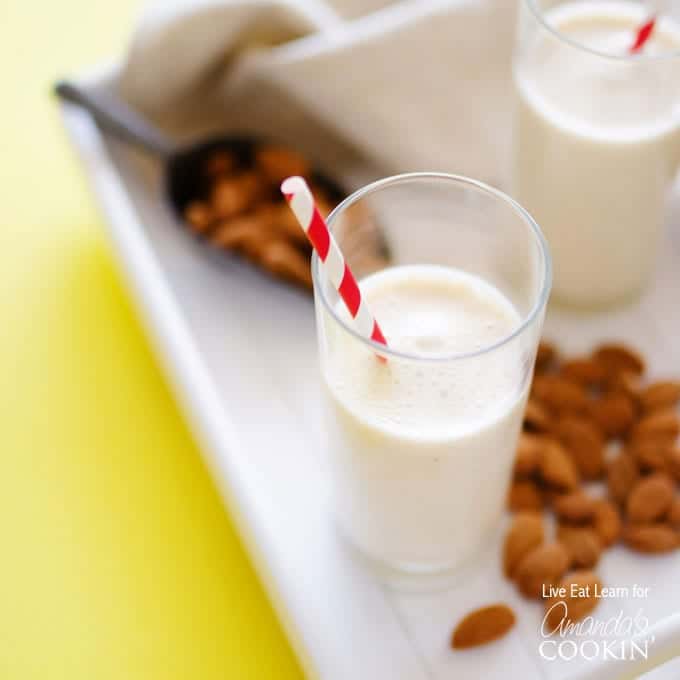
(597, 139)
(421, 445)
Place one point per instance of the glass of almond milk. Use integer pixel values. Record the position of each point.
(597, 139)
(421, 435)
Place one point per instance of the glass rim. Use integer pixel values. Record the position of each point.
(539, 14)
(535, 230)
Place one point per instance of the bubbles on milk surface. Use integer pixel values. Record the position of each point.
(430, 312)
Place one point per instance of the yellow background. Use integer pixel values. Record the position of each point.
(117, 559)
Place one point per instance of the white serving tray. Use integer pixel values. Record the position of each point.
(240, 353)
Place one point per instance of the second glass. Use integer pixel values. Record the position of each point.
(421, 444)
(597, 139)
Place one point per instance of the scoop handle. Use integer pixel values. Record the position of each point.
(118, 118)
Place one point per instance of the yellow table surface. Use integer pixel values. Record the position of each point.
(118, 559)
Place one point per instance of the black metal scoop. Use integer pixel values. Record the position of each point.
(184, 166)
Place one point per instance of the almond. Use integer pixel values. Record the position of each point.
(528, 455)
(614, 414)
(622, 474)
(575, 507)
(660, 395)
(585, 371)
(651, 538)
(626, 383)
(673, 463)
(618, 358)
(560, 395)
(673, 515)
(276, 163)
(651, 454)
(607, 522)
(585, 444)
(556, 468)
(662, 424)
(543, 566)
(482, 626)
(583, 545)
(581, 598)
(650, 498)
(525, 533)
(524, 495)
(536, 417)
(546, 355)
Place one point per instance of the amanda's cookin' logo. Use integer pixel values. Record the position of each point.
(619, 637)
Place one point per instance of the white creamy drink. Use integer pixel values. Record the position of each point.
(421, 451)
(597, 143)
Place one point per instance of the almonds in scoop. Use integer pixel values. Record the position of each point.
(543, 566)
(580, 599)
(650, 498)
(525, 533)
(482, 626)
(546, 356)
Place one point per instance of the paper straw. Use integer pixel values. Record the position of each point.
(643, 34)
(302, 204)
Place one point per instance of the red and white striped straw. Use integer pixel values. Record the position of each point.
(302, 204)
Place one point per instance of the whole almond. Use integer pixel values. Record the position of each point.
(617, 358)
(575, 507)
(585, 371)
(651, 538)
(650, 498)
(584, 442)
(673, 463)
(583, 545)
(528, 455)
(560, 395)
(622, 474)
(525, 533)
(660, 395)
(662, 424)
(673, 515)
(581, 598)
(546, 356)
(614, 414)
(482, 626)
(524, 495)
(536, 417)
(543, 566)
(557, 469)
(626, 383)
(651, 455)
(607, 522)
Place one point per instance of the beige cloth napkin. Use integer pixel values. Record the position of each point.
(417, 84)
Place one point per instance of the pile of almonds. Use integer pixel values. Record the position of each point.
(599, 451)
(241, 209)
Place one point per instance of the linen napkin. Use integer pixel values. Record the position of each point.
(416, 84)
